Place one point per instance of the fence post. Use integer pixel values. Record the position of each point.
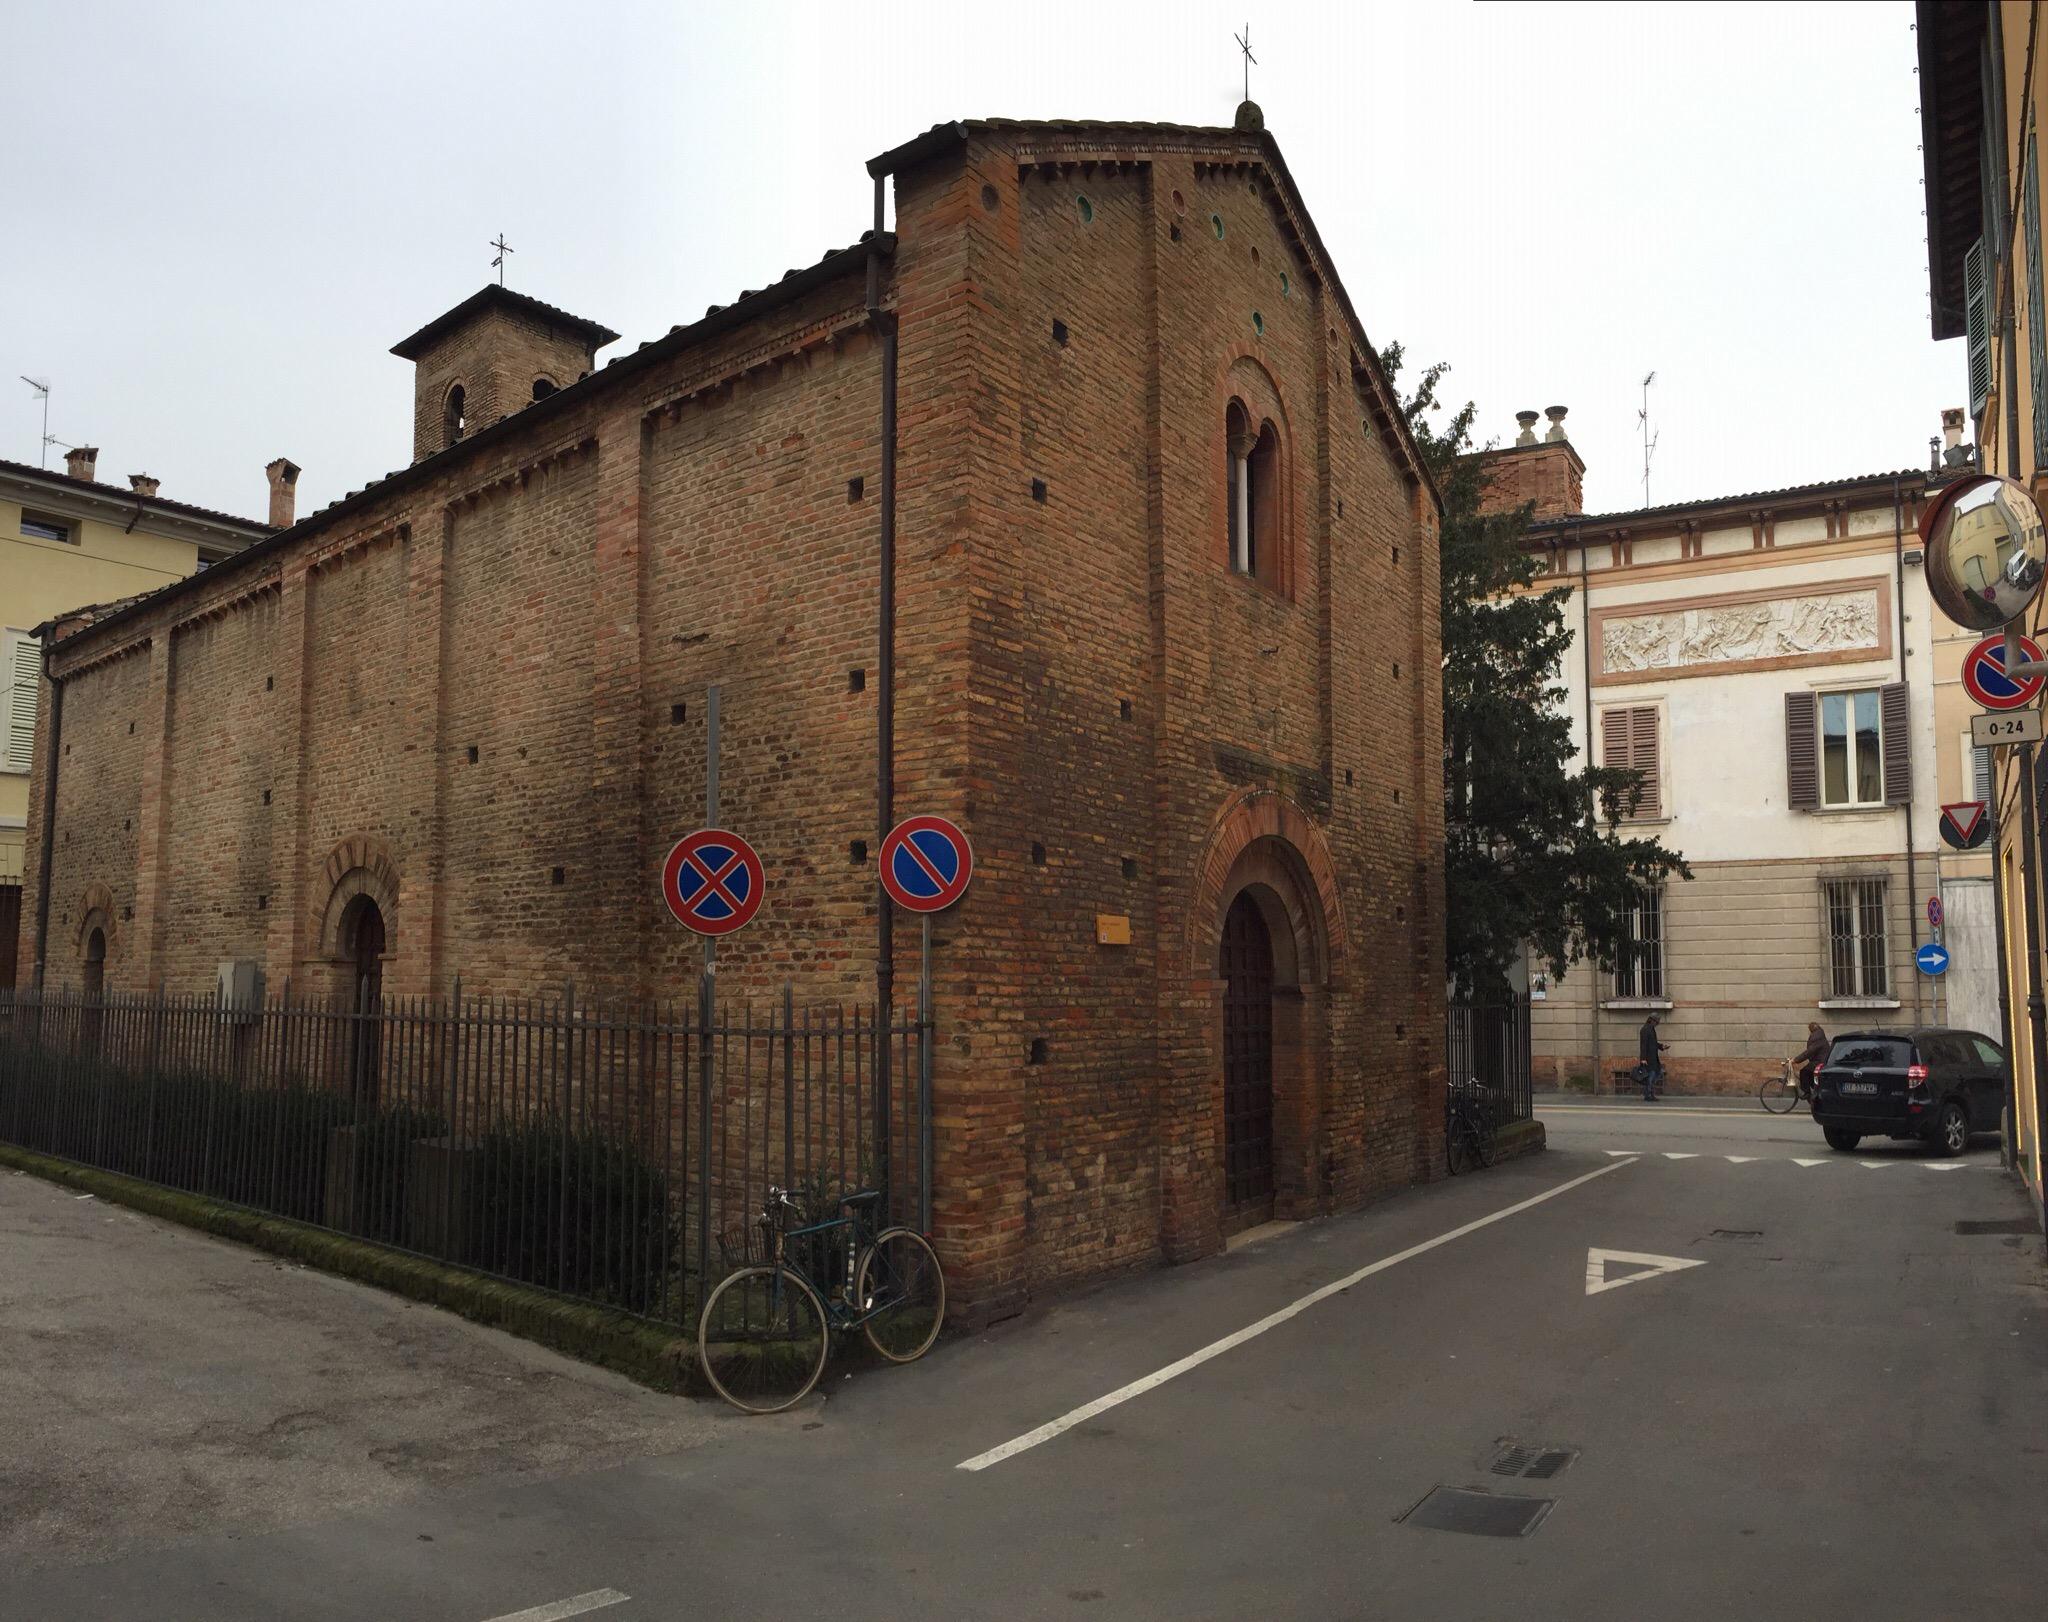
(568, 1067)
(706, 996)
(788, 1083)
(449, 1160)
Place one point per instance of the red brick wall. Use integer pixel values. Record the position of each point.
(1081, 673)
(1548, 473)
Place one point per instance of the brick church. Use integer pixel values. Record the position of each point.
(1165, 644)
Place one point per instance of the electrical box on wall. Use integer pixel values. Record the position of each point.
(241, 991)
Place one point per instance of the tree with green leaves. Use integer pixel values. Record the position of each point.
(1533, 854)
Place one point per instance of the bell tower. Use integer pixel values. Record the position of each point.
(493, 354)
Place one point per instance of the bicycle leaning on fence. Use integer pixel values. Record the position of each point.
(765, 1332)
(1471, 1118)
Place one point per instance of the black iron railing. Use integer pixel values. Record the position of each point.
(589, 1150)
(1489, 1043)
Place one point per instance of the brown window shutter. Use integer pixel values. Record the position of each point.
(1643, 757)
(1802, 752)
(1898, 748)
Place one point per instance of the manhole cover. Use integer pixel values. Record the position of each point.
(2003, 1225)
(1484, 1514)
(1533, 1463)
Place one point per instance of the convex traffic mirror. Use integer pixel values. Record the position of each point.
(1986, 551)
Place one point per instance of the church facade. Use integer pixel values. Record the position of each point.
(1165, 641)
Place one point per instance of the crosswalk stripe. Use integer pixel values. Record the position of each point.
(1738, 1160)
(1798, 1162)
(1669, 1155)
(1874, 1164)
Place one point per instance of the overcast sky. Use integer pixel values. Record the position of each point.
(220, 217)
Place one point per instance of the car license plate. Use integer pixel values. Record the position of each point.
(1859, 1086)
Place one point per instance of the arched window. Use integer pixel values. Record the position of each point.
(362, 941)
(1254, 496)
(451, 417)
(95, 974)
(543, 387)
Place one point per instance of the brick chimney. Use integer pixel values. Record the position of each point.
(79, 461)
(142, 484)
(284, 492)
(1545, 471)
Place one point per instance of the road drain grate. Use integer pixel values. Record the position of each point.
(1533, 1463)
(2005, 1225)
(1483, 1514)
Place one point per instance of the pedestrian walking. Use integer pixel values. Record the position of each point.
(1650, 1066)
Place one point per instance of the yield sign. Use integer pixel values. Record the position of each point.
(1651, 1267)
(1964, 825)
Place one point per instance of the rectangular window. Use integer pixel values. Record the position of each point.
(40, 527)
(1640, 969)
(23, 674)
(1851, 749)
(1856, 938)
(1980, 773)
(1629, 742)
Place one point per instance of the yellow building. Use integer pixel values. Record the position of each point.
(1984, 97)
(66, 541)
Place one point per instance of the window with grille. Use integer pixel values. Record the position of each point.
(23, 674)
(1856, 938)
(1639, 965)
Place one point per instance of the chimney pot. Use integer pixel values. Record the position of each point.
(1556, 416)
(284, 495)
(1952, 427)
(79, 461)
(142, 484)
(1528, 421)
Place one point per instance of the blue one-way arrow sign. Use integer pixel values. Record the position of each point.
(1932, 958)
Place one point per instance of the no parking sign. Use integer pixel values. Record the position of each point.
(925, 864)
(712, 881)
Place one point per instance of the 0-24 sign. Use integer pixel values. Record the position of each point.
(1994, 727)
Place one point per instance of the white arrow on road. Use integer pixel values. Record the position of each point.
(1653, 1267)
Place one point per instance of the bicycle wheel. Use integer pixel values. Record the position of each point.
(903, 1289)
(1459, 1152)
(1485, 1134)
(1777, 1096)
(761, 1338)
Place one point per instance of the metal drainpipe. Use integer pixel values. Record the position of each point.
(49, 840)
(884, 324)
(1586, 658)
(1912, 866)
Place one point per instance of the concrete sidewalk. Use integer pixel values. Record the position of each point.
(161, 1385)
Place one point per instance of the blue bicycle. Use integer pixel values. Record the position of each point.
(765, 1332)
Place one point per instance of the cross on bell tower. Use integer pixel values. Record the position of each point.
(503, 248)
(1244, 44)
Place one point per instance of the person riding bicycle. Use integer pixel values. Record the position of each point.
(1650, 1067)
(1810, 1057)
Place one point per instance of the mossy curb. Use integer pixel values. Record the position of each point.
(663, 1358)
(1518, 1138)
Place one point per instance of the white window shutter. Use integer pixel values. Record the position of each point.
(1980, 773)
(1977, 324)
(24, 675)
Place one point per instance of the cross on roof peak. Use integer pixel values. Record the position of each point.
(503, 248)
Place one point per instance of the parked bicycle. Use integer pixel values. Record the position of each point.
(1780, 1093)
(1471, 1120)
(765, 1332)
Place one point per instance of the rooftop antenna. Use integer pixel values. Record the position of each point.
(503, 248)
(1649, 439)
(42, 386)
(1244, 44)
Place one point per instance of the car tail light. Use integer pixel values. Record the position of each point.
(1916, 1075)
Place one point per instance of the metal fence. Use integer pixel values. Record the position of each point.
(1490, 1043)
(612, 1154)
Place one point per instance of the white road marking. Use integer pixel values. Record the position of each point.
(1798, 1162)
(1654, 1267)
(1624, 1151)
(1672, 1154)
(596, 1600)
(1874, 1164)
(1942, 1165)
(1272, 1320)
(1738, 1160)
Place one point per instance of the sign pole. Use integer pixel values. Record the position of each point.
(924, 1078)
(2008, 1145)
(707, 1001)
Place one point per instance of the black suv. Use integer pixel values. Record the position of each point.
(1933, 1084)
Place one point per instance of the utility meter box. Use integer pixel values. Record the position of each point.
(241, 991)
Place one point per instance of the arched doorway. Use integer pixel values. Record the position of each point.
(93, 982)
(362, 944)
(1247, 964)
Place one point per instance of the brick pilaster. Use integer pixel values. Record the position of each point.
(620, 882)
(153, 811)
(414, 967)
(289, 938)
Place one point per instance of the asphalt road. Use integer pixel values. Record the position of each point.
(1841, 1412)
